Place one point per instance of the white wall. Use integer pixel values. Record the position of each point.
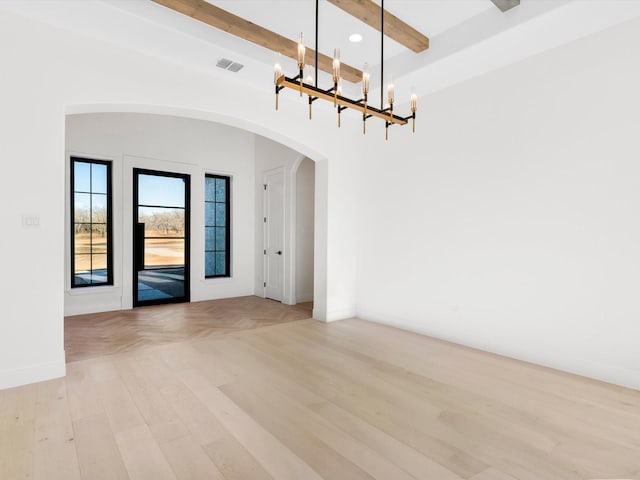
(305, 183)
(167, 143)
(48, 73)
(511, 221)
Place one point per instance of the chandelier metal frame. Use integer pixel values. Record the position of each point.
(334, 94)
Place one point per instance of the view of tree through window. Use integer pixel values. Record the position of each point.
(217, 226)
(91, 222)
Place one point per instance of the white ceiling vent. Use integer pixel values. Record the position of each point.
(224, 63)
(230, 65)
(235, 67)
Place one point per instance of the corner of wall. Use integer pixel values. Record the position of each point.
(340, 314)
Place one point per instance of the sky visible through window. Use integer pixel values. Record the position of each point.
(161, 191)
(90, 177)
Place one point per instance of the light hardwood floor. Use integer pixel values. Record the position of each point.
(125, 330)
(307, 400)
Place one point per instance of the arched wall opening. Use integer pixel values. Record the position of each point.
(243, 129)
(88, 75)
(302, 230)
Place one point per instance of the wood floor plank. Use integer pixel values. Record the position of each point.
(276, 459)
(120, 408)
(84, 398)
(573, 387)
(523, 373)
(248, 388)
(309, 447)
(385, 415)
(197, 418)
(481, 434)
(98, 334)
(18, 450)
(163, 422)
(55, 453)
(234, 461)
(142, 456)
(427, 390)
(418, 465)
(189, 461)
(98, 453)
(492, 474)
(273, 403)
(489, 441)
(17, 432)
(255, 370)
(183, 356)
(527, 398)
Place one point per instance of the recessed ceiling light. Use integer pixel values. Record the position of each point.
(355, 37)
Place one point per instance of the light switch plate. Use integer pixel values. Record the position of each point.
(30, 221)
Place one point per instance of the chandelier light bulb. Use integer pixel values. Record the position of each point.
(391, 91)
(301, 51)
(414, 107)
(365, 79)
(336, 65)
(277, 67)
(277, 72)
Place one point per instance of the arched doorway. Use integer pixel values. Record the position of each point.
(320, 186)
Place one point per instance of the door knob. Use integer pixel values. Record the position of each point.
(279, 252)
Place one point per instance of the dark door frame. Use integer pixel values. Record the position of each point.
(138, 252)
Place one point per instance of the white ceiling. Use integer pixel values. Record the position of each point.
(290, 17)
(467, 37)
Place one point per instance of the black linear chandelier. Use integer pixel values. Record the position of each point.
(334, 94)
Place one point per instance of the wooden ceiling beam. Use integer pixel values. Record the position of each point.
(369, 12)
(238, 26)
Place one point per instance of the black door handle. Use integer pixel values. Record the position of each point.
(279, 252)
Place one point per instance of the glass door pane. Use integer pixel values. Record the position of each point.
(161, 237)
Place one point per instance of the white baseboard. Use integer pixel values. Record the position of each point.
(33, 373)
(613, 374)
(127, 302)
(86, 309)
(340, 314)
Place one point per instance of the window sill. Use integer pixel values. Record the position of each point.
(102, 289)
(216, 280)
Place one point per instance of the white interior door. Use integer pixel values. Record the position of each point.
(274, 235)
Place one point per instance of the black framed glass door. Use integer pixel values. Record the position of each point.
(160, 237)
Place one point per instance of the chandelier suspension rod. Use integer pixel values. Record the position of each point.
(381, 55)
(316, 76)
